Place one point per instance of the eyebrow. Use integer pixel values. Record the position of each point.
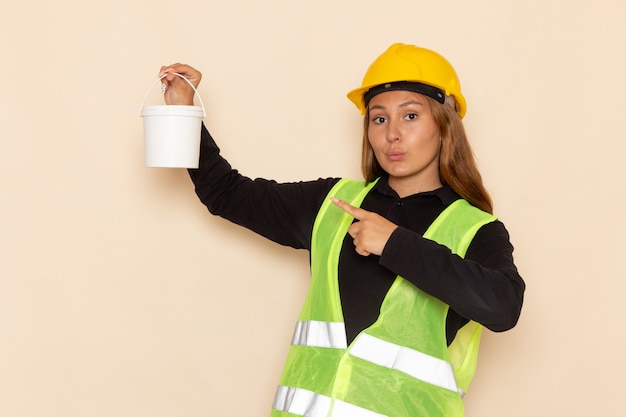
(405, 104)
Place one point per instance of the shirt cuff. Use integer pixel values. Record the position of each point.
(396, 248)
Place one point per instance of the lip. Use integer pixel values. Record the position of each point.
(395, 155)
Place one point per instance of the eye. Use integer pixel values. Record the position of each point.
(378, 119)
(411, 116)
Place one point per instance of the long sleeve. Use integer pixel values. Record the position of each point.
(284, 213)
(485, 286)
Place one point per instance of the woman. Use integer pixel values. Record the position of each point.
(406, 267)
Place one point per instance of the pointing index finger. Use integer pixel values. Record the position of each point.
(355, 212)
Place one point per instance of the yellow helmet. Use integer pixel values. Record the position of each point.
(409, 67)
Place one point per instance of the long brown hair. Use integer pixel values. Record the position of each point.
(457, 165)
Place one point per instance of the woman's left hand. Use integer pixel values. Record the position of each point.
(370, 233)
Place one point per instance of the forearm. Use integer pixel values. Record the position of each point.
(284, 213)
(485, 287)
(216, 183)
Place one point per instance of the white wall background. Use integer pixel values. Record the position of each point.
(120, 295)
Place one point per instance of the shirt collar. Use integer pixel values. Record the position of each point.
(445, 193)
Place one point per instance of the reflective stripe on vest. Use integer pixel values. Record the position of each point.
(320, 334)
(306, 403)
(412, 362)
(380, 352)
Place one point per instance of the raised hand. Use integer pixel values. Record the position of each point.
(177, 90)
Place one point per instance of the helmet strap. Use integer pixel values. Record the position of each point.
(425, 89)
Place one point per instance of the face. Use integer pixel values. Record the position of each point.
(405, 140)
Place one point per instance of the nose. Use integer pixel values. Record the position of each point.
(394, 132)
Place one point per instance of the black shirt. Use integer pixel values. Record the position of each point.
(485, 286)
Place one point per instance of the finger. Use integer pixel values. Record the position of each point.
(361, 250)
(191, 74)
(354, 230)
(355, 212)
(170, 71)
(167, 69)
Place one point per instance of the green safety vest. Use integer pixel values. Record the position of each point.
(401, 365)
